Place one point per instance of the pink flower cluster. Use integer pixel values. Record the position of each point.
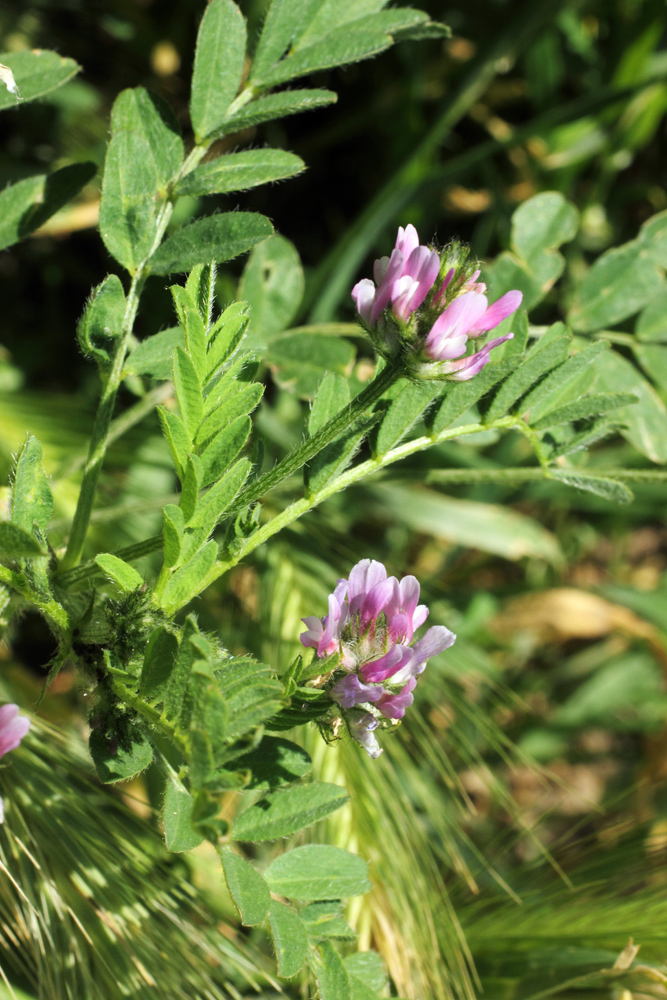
(371, 625)
(13, 728)
(405, 280)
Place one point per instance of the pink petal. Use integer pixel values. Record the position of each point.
(400, 628)
(407, 240)
(383, 294)
(13, 728)
(420, 616)
(363, 294)
(393, 706)
(468, 367)
(497, 312)
(450, 329)
(349, 692)
(388, 665)
(436, 640)
(363, 577)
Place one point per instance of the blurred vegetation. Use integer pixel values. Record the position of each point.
(517, 824)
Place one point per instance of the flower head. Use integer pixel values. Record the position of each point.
(430, 304)
(370, 628)
(13, 728)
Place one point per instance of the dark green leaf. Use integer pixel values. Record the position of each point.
(154, 356)
(177, 814)
(102, 320)
(36, 72)
(219, 454)
(26, 205)
(333, 394)
(122, 574)
(139, 111)
(128, 214)
(284, 20)
(200, 286)
(16, 543)
(32, 500)
(219, 59)
(583, 409)
(289, 939)
(265, 109)
(618, 284)
(191, 487)
(274, 762)
(540, 398)
(218, 238)
(317, 871)
(281, 814)
(180, 673)
(537, 363)
(459, 398)
(339, 49)
(644, 424)
(117, 763)
(159, 662)
(300, 360)
(272, 284)
(252, 692)
(247, 887)
(331, 976)
(323, 17)
(241, 171)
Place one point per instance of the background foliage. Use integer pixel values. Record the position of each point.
(515, 827)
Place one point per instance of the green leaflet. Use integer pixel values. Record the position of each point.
(460, 397)
(225, 336)
(36, 72)
(368, 967)
(317, 871)
(188, 392)
(122, 574)
(618, 284)
(281, 814)
(186, 582)
(182, 666)
(339, 49)
(252, 692)
(272, 284)
(154, 356)
(218, 68)
(247, 887)
(119, 763)
(537, 362)
(193, 327)
(213, 504)
(128, 213)
(582, 409)
(241, 403)
(273, 763)
(221, 451)
(550, 390)
(208, 728)
(331, 976)
(651, 323)
(283, 22)
(176, 437)
(218, 238)
(177, 815)
(402, 413)
(299, 361)
(324, 920)
(26, 205)
(265, 109)
(289, 939)
(159, 662)
(17, 543)
(32, 500)
(241, 171)
(140, 111)
(102, 320)
(609, 489)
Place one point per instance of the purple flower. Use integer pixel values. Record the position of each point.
(466, 368)
(13, 728)
(404, 279)
(371, 625)
(362, 730)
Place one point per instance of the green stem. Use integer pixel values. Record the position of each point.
(332, 430)
(99, 441)
(147, 712)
